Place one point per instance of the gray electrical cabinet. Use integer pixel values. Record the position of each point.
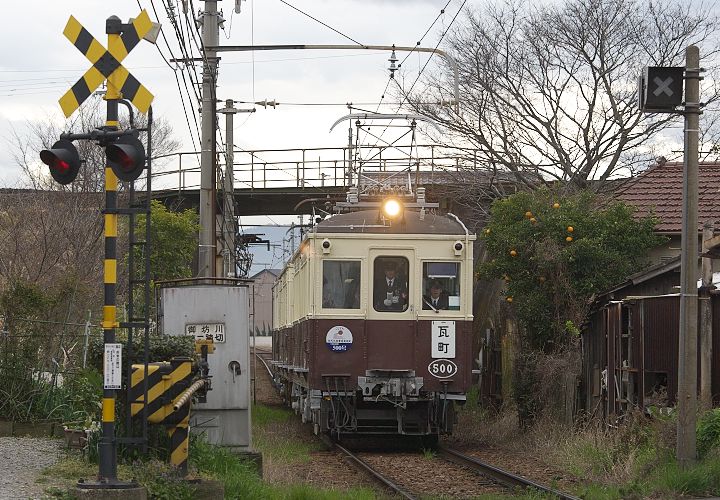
(220, 312)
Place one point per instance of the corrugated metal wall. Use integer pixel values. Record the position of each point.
(637, 340)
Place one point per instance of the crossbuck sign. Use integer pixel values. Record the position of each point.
(660, 90)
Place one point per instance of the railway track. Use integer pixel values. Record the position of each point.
(502, 476)
(486, 476)
(490, 476)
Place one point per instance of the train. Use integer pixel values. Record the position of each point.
(372, 320)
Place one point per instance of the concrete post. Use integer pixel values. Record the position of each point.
(706, 335)
(686, 446)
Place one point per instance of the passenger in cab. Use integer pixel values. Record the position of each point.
(437, 298)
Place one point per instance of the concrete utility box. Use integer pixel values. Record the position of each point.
(220, 311)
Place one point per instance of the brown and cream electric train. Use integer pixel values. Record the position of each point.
(372, 322)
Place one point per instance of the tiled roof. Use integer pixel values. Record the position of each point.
(659, 190)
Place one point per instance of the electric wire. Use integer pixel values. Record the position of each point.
(324, 24)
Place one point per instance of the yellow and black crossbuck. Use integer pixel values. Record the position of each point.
(106, 64)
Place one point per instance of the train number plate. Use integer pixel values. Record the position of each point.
(442, 368)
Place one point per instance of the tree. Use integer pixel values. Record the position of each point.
(555, 251)
(548, 92)
(173, 241)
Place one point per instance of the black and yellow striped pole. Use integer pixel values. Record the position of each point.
(108, 443)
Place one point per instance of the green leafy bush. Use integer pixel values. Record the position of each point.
(555, 251)
(708, 431)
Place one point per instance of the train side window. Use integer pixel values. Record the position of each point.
(441, 286)
(390, 284)
(341, 284)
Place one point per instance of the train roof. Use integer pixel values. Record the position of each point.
(367, 221)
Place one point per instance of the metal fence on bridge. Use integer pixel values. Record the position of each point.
(317, 167)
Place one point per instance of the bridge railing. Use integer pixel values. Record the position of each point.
(314, 167)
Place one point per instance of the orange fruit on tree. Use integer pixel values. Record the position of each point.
(556, 205)
(533, 220)
(528, 214)
(509, 299)
(570, 229)
(569, 239)
(513, 253)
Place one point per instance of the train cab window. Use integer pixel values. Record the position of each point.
(441, 286)
(341, 284)
(390, 284)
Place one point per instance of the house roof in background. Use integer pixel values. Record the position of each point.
(658, 190)
(274, 272)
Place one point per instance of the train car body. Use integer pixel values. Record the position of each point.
(360, 345)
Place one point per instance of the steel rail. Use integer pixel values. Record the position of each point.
(504, 477)
(364, 466)
(267, 367)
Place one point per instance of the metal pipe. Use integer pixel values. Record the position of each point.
(184, 398)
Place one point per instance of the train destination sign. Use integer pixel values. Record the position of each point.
(442, 336)
(207, 331)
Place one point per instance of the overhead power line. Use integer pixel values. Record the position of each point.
(324, 24)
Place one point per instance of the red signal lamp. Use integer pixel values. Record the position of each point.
(126, 158)
(63, 160)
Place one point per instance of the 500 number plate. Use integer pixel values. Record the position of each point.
(442, 368)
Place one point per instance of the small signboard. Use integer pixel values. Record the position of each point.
(661, 89)
(112, 366)
(442, 336)
(207, 331)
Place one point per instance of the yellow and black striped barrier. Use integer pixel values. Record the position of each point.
(170, 387)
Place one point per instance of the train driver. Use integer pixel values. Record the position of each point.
(437, 298)
(390, 292)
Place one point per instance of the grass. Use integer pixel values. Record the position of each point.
(271, 426)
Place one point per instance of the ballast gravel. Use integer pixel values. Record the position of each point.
(21, 461)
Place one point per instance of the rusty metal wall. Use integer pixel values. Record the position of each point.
(653, 326)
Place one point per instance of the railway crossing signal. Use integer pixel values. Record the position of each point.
(106, 63)
(125, 161)
(126, 157)
(63, 160)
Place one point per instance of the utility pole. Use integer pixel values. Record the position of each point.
(706, 335)
(686, 447)
(206, 240)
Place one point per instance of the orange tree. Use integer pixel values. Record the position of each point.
(554, 252)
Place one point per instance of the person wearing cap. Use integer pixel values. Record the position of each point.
(437, 298)
(390, 290)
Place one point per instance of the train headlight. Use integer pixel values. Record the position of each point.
(326, 245)
(392, 208)
(458, 247)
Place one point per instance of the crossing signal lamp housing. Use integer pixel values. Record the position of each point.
(63, 160)
(126, 157)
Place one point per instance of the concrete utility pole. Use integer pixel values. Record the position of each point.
(686, 447)
(227, 222)
(206, 246)
(706, 337)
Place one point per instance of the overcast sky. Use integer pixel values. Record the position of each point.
(38, 64)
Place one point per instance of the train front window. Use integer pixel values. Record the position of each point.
(341, 284)
(390, 284)
(441, 286)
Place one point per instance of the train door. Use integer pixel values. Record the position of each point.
(390, 327)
